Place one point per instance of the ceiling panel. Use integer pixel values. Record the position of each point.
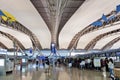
(69, 10)
(89, 12)
(7, 42)
(74, 3)
(116, 45)
(105, 40)
(27, 15)
(84, 40)
(56, 13)
(23, 38)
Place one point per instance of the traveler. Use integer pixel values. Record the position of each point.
(111, 67)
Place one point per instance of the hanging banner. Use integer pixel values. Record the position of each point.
(30, 50)
(8, 16)
(118, 8)
(53, 48)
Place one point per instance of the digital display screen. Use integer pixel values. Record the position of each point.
(2, 62)
(97, 62)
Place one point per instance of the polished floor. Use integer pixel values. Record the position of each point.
(31, 72)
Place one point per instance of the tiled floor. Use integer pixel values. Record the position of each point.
(59, 73)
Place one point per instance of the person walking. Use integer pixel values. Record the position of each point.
(111, 67)
(103, 67)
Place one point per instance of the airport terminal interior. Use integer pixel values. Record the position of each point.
(59, 40)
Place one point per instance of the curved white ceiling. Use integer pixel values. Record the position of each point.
(26, 14)
(104, 41)
(85, 39)
(23, 38)
(116, 45)
(7, 42)
(89, 12)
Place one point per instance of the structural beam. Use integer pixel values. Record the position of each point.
(92, 43)
(3, 46)
(111, 43)
(19, 27)
(91, 28)
(56, 13)
(19, 44)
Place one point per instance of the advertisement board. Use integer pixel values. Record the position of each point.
(97, 62)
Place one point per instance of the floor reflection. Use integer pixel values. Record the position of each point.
(31, 72)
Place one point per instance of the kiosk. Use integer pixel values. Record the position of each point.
(5, 64)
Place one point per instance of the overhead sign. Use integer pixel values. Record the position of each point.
(30, 50)
(97, 62)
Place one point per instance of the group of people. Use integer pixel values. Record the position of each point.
(105, 64)
(44, 63)
(108, 65)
